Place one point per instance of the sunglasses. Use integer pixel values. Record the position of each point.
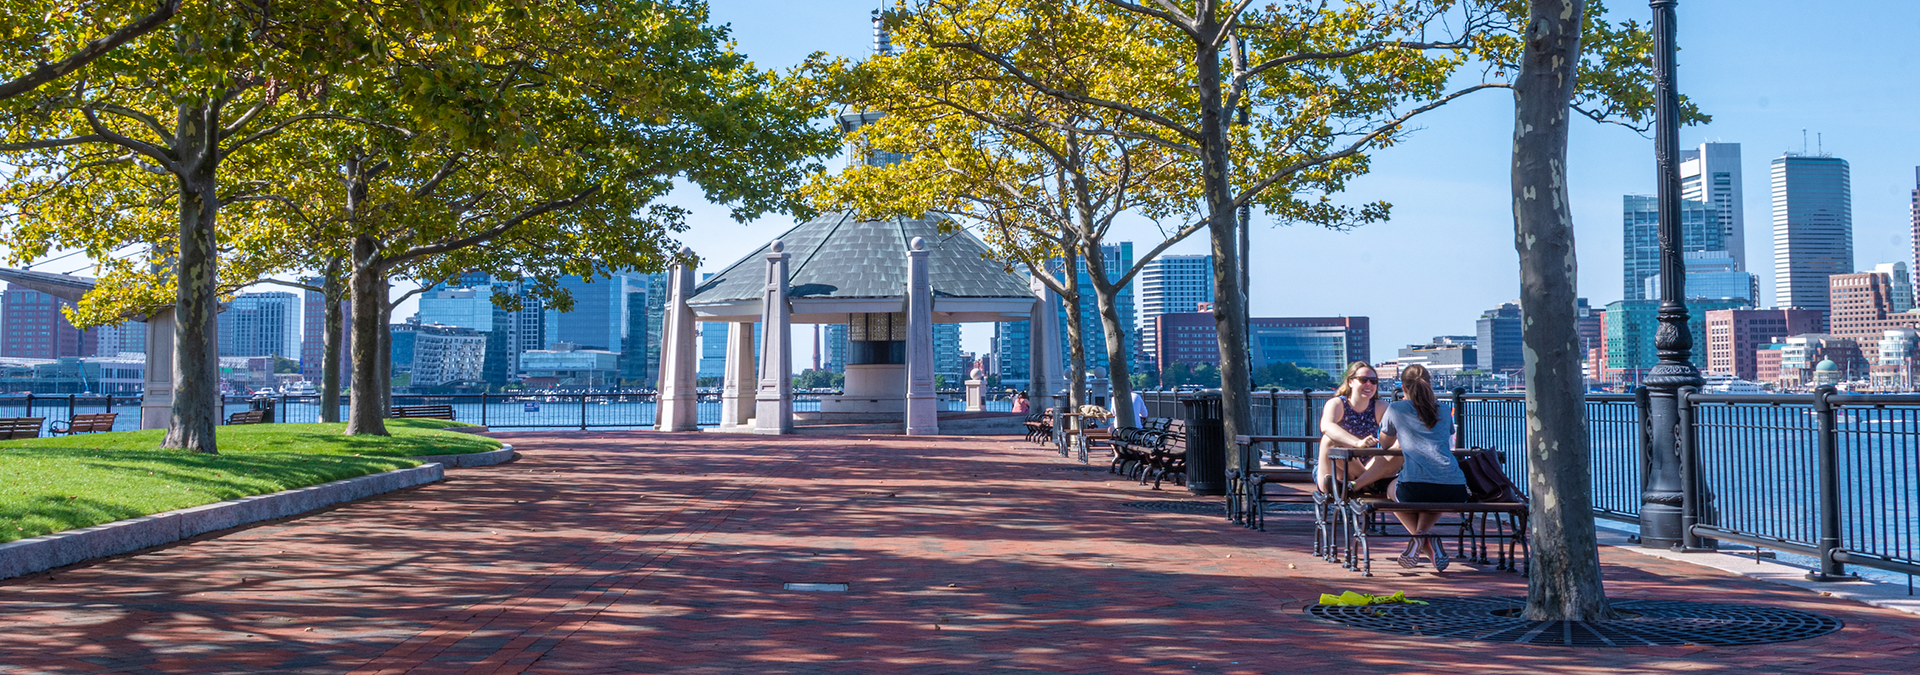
(1368, 380)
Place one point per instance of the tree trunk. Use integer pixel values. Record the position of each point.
(1565, 583)
(196, 354)
(1229, 312)
(366, 413)
(386, 348)
(330, 293)
(1076, 350)
(1119, 371)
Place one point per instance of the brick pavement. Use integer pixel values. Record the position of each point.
(644, 553)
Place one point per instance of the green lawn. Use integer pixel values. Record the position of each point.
(53, 484)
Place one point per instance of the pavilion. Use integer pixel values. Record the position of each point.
(888, 281)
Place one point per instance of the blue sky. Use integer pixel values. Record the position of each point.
(1765, 70)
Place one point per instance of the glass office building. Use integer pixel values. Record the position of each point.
(1812, 227)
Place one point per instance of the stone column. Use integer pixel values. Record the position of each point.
(1043, 349)
(156, 399)
(773, 402)
(975, 380)
(923, 404)
(678, 401)
(737, 388)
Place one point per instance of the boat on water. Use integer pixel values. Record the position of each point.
(1722, 383)
(301, 388)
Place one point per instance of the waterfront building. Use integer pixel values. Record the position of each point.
(947, 357)
(1813, 359)
(1914, 216)
(1710, 175)
(1735, 337)
(447, 355)
(1497, 339)
(1700, 231)
(568, 367)
(530, 322)
(1712, 274)
(1117, 259)
(34, 327)
(261, 324)
(471, 305)
(1171, 283)
(1892, 369)
(1446, 355)
(713, 346)
(1326, 343)
(835, 335)
(1592, 321)
(1766, 361)
(646, 308)
(1812, 227)
(1013, 340)
(1631, 324)
(1864, 304)
(599, 318)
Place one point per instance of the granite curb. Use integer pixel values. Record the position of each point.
(60, 549)
(471, 459)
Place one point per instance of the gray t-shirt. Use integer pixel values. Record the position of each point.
(1429, 451)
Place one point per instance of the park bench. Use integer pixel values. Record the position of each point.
(441, 411)
(1133, 447)
(1479, 522)
(248, 417)
(1247, 490)
(20, 427)
(86, 423)
(1168, 459)
(1040, 426)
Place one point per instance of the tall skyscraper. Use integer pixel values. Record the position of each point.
(1915, 216)
(261, 324)
(1812, 227)
(1497, 334)
(469, 304)
(599, 317)
(34, 327)
(1710, 175)
(1712, 274)
(1172, 283)
(531, 320)
(1014, 342)
(947, 359)
(1700, 231)
(1117, 258)
(313, 327)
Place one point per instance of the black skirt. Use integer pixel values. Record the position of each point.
(1429, 492)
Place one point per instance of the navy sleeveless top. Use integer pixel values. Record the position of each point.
(1360, 423)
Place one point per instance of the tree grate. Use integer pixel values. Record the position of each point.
(1646, 623)
(1176, 506)
(1288, 507)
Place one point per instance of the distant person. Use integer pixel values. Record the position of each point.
(1021, 404)
(1139, 411)
(1351, 420)
(1422, 428)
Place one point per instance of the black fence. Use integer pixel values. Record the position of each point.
(1832, 476)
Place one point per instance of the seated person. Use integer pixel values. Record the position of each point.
(1352, 420)
(1422, 428)
(1021, 404)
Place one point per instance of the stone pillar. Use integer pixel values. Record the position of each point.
(156, 400)
(1043, 365)
(773, 402)
(923, 403)
(737, 387)
(677, 410)
(975, 379)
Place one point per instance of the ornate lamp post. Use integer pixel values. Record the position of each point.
(1661, 499)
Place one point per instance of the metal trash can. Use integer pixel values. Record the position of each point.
(262, 403)
(1206, 443)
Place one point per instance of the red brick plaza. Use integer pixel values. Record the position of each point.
(649, 553)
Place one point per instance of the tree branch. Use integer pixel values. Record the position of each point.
(48, 72)
(283, 124)
(153, 152)
(52, 143)
(1246, 196)
(1009, 68)
(495, 231)
(1171, 14)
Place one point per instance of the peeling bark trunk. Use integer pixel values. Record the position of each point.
(196, 355)
(1565, 583)
(367, 288)
(1076, 350)
(330, 293)
(1229, 311)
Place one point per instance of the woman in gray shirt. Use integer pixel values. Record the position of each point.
(1422, 429)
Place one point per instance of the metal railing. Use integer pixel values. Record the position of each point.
(1831, 476)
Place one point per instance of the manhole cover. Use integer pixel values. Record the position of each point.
(1647, 622)
(1074, 468)
(1173, 506)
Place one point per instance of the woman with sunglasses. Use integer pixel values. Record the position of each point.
(1351, 420)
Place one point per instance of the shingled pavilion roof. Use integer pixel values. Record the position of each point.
(841, 264)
